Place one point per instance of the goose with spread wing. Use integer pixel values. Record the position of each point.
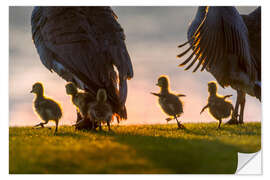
(83, 45)
(228, 45)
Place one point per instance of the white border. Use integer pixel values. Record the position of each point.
(4, 78)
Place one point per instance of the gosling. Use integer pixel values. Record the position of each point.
(81, 100)
(100, 111)
(218, 106)
(169, 102)
(46, 108)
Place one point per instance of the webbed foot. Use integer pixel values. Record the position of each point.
(181, 126)
(232, 121)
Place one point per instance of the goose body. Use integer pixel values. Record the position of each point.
(83, 45)
(227, 45)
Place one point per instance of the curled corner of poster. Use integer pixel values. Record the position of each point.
(249, 163)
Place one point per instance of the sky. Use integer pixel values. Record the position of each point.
(152, 37)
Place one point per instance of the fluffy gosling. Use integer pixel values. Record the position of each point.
(169, 102)
(218, 106)
(46, 108)
(81, 100)
(100, 111)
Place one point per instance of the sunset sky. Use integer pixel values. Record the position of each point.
(153, 34)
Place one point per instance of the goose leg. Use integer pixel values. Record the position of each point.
(108, 124)
(233, 120)
(242, 107)
(93, 124)
(56, 127)
(235, 112)
(100, 128)
(219, 123)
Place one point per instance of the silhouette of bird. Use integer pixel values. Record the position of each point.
(218, 106)
(86, 46)
(100, 111)
(81, 100)
(228, 45)
(169, 102)
(46, 108)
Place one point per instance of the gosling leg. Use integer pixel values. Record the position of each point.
(168, 119)
(78, 123)
(79, 117)
(41, 124)
(180, 126)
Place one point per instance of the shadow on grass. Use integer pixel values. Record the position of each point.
(178, 155)
(243, 130)
(126, 150)
(68, 134)
(231, 129)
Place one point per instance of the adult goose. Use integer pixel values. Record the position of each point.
(83, 45)
(228, 45)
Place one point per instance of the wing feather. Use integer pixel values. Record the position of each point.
(87, 42)
(222, 31)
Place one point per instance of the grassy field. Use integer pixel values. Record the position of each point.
(132, 149)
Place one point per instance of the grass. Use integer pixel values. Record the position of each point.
(132, 149)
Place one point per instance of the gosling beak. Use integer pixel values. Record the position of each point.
(31, 91)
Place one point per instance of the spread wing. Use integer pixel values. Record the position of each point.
(82, 45)
(221, 32)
